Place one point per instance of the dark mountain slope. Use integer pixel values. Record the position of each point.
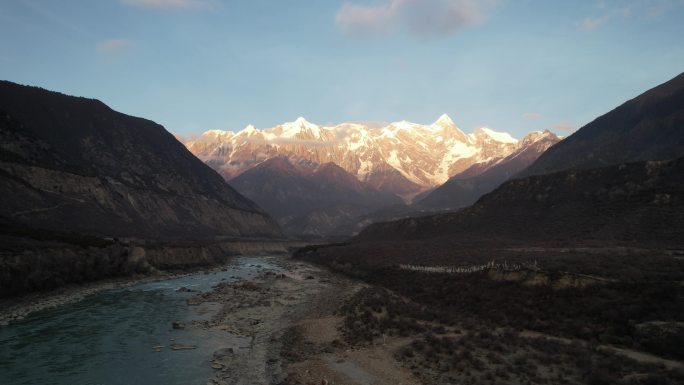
(639, 202)
(648, 127)
(464, 189)
(73, 164)
(309, 200)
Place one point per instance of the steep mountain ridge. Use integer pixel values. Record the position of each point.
(73, 164)
(638, 202)
(648, 127)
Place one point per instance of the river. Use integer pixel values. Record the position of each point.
(122, 336)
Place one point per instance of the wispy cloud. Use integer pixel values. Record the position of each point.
(113, 46)
(565, 127)
(591, 23)
(422, 18)
(168, 4)
(609, 11)
(532, 116)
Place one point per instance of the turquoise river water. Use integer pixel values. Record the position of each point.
(109, 338)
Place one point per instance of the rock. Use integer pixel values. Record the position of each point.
(178, 325)
(184, 289)
(182, 347)
(223, 353)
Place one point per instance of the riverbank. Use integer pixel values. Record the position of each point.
(17, 308)
(30, 264)
(290, 331)
(160, 261)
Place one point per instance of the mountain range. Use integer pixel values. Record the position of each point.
(401, 158)
(280, 169)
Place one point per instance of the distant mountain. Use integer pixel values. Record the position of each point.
(73, 164)
(467, 187)
(401, 158)
(648, 127)
(309, 200)
(634, 203)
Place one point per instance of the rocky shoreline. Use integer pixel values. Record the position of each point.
(285, 328)
(281, 327)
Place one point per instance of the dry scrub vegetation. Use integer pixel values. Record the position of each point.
(486, 328)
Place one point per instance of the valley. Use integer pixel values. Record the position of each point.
(538, 241)
(287, 321)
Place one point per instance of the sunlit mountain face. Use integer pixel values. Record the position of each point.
(402, 158)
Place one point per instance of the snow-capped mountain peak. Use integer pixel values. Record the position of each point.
(298, 127)
(444, 122)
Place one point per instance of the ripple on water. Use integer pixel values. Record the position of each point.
(108, 338)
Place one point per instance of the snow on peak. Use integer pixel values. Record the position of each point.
(444, 121)
(404, 125)
(535, 136)
(249, 130)
(217, 133)
(301, 125)
(301, 121)
(502, 137)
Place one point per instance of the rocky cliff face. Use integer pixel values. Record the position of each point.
(73, 164)
(648, 127)
(401, 158)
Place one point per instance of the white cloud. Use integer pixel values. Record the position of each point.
(167, 4)
(590, 23)
(113, 46)
(532, 116)
(423, 18)
(565, 126)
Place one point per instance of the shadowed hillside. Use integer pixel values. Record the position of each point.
(310, 200)
(73, 164)
(636, 202)
(648, 127)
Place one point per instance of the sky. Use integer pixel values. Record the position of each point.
(195, 65)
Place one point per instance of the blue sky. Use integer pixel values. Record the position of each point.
(194, 65)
